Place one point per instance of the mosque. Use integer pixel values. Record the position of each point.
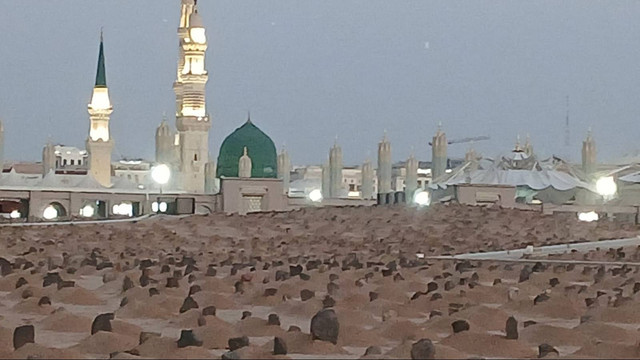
(249, 174)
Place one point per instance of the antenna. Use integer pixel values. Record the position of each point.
(567, 131)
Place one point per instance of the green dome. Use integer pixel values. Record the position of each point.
(262, 151)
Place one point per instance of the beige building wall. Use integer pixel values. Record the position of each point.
(243, 196)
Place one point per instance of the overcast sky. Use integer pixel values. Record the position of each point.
(311, 70)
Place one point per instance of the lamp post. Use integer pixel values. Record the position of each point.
(161, 174)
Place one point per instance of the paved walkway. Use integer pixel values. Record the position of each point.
(79, 222)
(543, 251)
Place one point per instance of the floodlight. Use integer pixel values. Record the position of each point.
(588, 216)
(606, 186)
(87, 211)
(50, 213)
(161, 174)
(422, 198)
(315, 195)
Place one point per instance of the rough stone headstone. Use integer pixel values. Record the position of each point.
(238, 343)
(23, 335)
(325, 326)
(51, 278)
(102, 322)
(328, 302)
(127, 284)
(270, 292)
(246, 314)
(21, 282)
(295, 270)
(173, 282)
(373, 296)
(294, 328)
(529, 323)
(66, 284)
(540, 298)
(5, 267)
(423, 349)
(511, 328)
(282, 275)
(273, 319)
(188, 338)
(305, 277)
(153, 291)
(124, 302)
(436, 296)
(279, 346)
(188, 304)
(554, 282)
(432, 286)
(209, 311)
(44, 301)
(525, 273)
(194, 289)
(373, 350)
(307, 295)
(546, 349)
(460, 326)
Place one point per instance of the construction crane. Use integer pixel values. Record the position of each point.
(465, 140)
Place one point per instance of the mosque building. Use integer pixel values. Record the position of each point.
(249, 174)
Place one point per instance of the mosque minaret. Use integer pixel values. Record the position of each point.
(192, 119)
(100, 144)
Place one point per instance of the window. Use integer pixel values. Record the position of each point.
(73, 162)
(352, 187)
(64, 162)
(195, 157)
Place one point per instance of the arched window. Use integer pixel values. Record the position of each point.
(195, 157)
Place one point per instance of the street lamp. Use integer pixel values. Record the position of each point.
(161, 174)
(315, 195)
(606, 187)
(422, 198)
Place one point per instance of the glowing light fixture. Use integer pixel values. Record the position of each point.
(606, 186)
(315, 195)
(422, 198)
(50, 213)
(161, 174)
(15, 214)
(154, 207)
(87, 211)
(124, 209)
(588, 216)
(162, 207)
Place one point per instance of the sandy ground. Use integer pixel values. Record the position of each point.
(384, 297)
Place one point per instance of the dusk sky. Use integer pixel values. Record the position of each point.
(311, 70)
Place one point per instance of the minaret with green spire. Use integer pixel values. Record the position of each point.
(101, 76)
(100, 144)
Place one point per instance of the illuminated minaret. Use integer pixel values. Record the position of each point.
(335, 171)
(100, 144)
(284, 170)
(439, 154)
(367, 180)
(384, 166)
(192, 120)
(411, 178)
(589, 155)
